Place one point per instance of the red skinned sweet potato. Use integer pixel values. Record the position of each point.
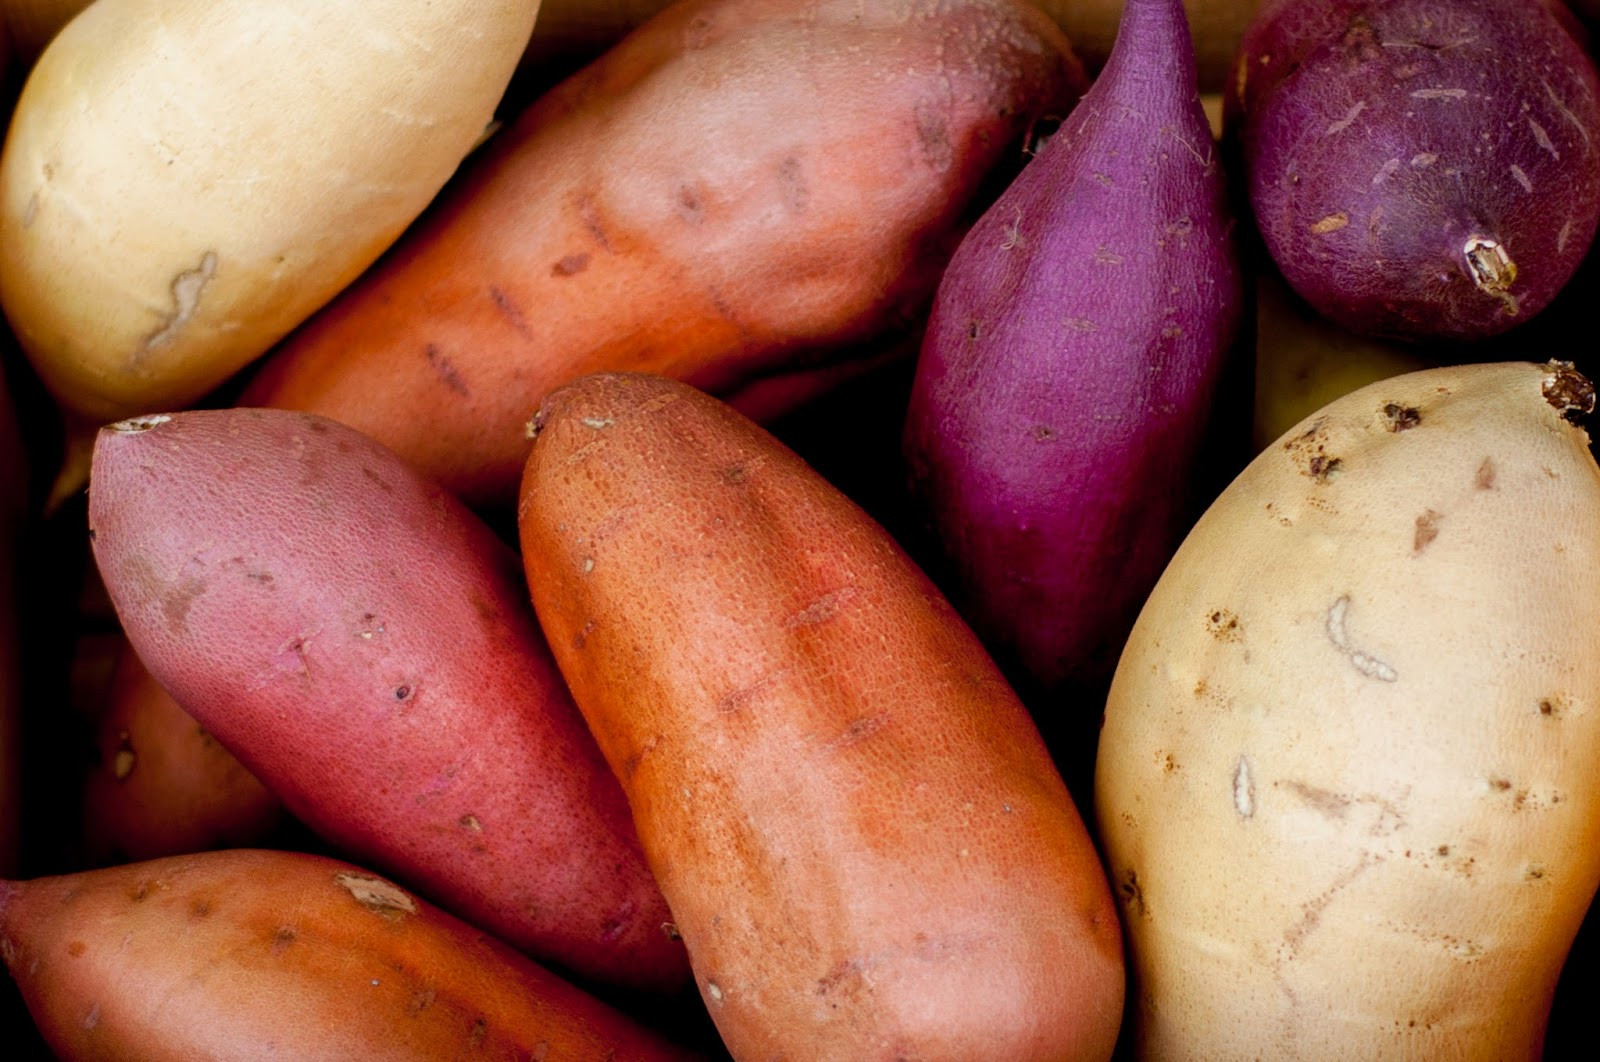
(364, 645)
(1070, 383)
(162, 785)
(739, 190)
(247, 954)
(1420, 169)
(865, 844)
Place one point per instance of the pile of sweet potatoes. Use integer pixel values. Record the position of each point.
(798, 529)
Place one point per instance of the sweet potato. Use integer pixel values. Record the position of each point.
(184, 182)
(1420, 169)
(1346, 784)
(364, 645)
(248, 954)
(865, 844)
(1063, 423)
(737, 191)
(162, 784)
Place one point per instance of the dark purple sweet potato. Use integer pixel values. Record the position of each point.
(365, 646)
(1420, 169)
(1073, 363)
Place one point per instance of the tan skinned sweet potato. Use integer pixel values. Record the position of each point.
(863, 841)
(365, 646)
(162, 784)
(740, 190)
(249, 954)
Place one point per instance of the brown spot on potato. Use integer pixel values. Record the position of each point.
(822, 609)
(508, 310)
(176, 603)
(1312, 910)
(1041, 433)
(1131, 893)
(1167, 762)
(1224, 625)
(1426, 531)
(1568, 391)
(1310, 451)
(1325, 802)
(1552, 707)
(691, 207)
(480, 1030)
(933, 136)
(1484, 478)
(792, 185)
(581, 638)
(446, 369)
(77, 948)
(859, 730)
(1401, 418)
(569, 265)
(282, 938)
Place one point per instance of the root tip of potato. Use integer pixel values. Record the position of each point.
(134, 425)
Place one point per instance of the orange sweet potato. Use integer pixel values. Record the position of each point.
(248, 954)
(865, 846)
(162, 784)
(739, 190)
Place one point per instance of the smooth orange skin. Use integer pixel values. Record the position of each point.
(163, 785)
(735, 191)
(864, 843)
(247, 954)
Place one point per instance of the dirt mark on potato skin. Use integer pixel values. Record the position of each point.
(1427, 529)
(1309, 451)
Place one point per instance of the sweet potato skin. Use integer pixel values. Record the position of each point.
(1420, 169)
(865, 845)
(738, 189)
(364, 645)
(247, 954)
(162, 784)
(1070, 384)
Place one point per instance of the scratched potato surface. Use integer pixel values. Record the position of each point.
(1338, 786)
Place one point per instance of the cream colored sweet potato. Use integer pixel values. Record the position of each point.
(865, 846)
(1346, 783)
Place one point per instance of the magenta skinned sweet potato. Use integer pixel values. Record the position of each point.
(1071, 372)
(249, 954)
(739, 191)
(1420, 169)
(365, 646)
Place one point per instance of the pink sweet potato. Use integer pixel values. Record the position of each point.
(364, 645)
(1072, 374)
(1420, 169)
(737, 192)
(257, 954)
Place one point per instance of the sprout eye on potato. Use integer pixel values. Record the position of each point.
(1346, 782)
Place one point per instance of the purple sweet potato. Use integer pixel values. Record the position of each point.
(1068, 381)
(1420, 169)
(365, 646)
